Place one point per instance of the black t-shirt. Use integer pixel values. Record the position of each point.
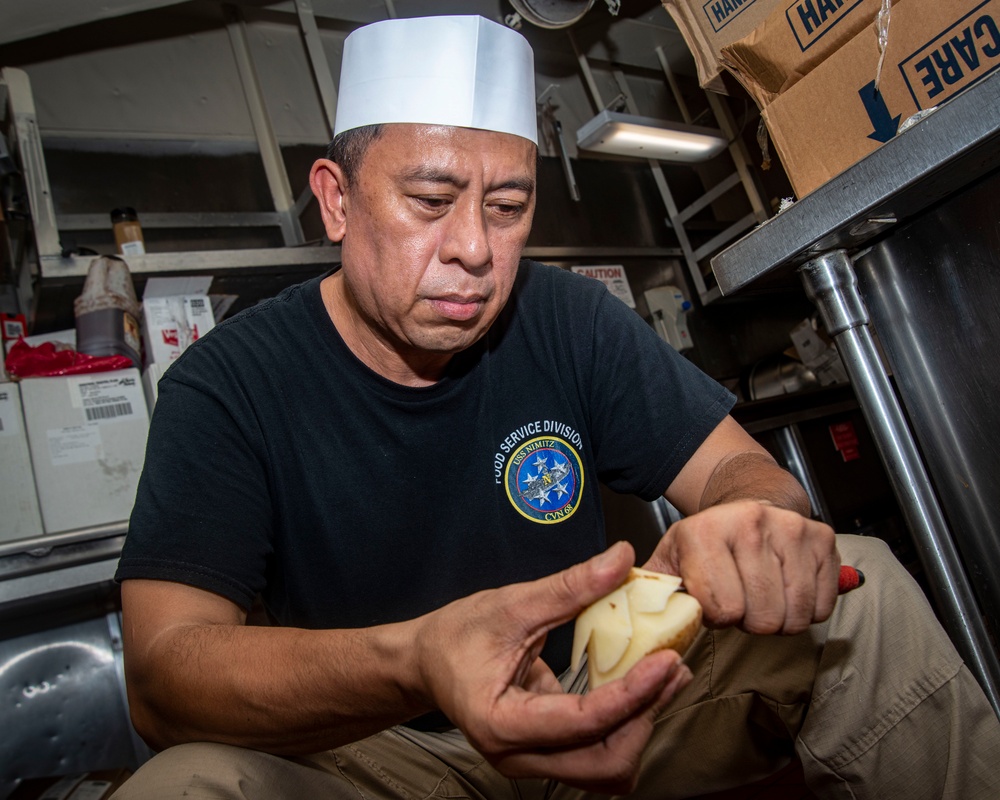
(278, 464)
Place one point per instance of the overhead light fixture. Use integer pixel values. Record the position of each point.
(646, 137)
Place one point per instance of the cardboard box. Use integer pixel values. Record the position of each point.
(87, 436)
(794, 40)
(150, 383)
(19, 514)
(832, 118)
(176, 312)
(709, 25)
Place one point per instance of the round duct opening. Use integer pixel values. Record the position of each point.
(552, 13)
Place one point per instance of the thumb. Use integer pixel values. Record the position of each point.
(545, 603)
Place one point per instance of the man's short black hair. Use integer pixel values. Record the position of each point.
(349, 147)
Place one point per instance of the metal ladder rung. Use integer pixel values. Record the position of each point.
(727, 235)
(710, 196)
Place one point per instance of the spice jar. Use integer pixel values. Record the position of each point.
(128, 232)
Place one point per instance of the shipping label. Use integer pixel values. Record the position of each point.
(77, 444)
(10, 412)
(721, 12)
(810, 20)
(108, 399)
(956, 58)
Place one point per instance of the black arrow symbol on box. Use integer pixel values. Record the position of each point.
(878, 112)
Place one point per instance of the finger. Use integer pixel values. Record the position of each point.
(548, 602)
(762, 577)
(530, 721)
(827, 578)
(810, 566)
(679, 678)
(792, 540)
(608, 766)
(709, 570)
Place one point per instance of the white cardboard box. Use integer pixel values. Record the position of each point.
(150, 381)
(19, 514)
(176, 312)
(87, 435)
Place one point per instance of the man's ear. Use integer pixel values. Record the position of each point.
(330, 187)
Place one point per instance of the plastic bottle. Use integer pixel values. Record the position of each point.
(107, 312)
(128, 232)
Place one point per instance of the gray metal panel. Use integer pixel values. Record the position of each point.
(47, 583)
(938, 155)
(933, 290)
(62, 703)
(22, 19)
(169, 74)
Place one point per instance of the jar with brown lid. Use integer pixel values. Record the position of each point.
(128, 232)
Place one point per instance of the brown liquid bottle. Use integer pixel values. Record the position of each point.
(128, 232)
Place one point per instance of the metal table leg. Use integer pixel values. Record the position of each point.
(789, 439)
(831, 283)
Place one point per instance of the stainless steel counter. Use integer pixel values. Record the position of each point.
(956, 144)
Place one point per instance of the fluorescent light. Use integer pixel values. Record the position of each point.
(645, 137)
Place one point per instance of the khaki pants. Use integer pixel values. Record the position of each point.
(875, 702)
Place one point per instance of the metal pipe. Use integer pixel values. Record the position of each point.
(789, 439)
(322, 75)
(668, 73)
(270, 150)
(831, 283)
(567, 165)
(588, 74)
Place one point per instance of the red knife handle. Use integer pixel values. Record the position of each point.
(850, 578)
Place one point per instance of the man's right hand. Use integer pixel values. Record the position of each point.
(478, 661)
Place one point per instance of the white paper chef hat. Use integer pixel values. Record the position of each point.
(464, 71)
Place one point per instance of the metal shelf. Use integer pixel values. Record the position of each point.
(60, 267)
(948, 149)
(47, 565)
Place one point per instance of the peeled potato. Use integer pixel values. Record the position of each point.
(643, 615)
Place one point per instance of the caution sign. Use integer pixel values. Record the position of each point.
(612, 276)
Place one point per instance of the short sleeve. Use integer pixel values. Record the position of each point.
(202, 512)
(651, 408)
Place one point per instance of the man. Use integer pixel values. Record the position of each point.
(401, 458)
